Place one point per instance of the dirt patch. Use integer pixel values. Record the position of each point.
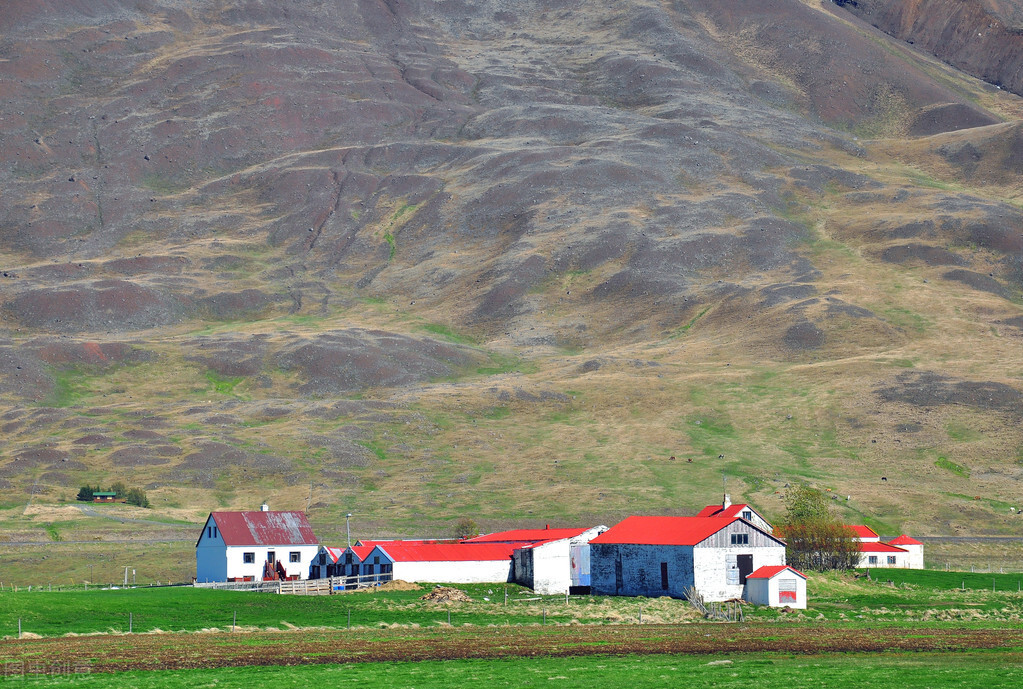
(923, 253)
(102, 305)
(985, 283)
(446, 594)
(399, 585)
(928, 389)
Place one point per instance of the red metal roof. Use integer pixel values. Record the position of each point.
(449, 552)
(333, 553)
(719, 511)
(264, 528)
(904, 540)
(664, 530)
(867, 547)
(427, 541)
(526, 535)
(767, 572)
(863, 531)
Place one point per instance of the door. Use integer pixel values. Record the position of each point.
(580, 561)
(745, 564)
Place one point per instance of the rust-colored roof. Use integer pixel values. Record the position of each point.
(665, 530)
(527, 535)
(264, 528)
(449, 552)
(769, 571)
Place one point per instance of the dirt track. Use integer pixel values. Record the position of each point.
(181, 651)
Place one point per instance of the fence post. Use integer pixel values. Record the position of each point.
(131, 620)
(449, 618)
(19, 627)
(641, 614)
(349, 618)
(545, 615)
(506, 596)
(234, 621)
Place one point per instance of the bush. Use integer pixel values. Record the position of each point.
(137, 496)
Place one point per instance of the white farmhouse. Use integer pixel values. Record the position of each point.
(882, 555)
(664, 556)
(777, 587)
(912, 546)
(255, 546)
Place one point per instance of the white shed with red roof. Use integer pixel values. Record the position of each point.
(259, 545)
(777, 586)
(664, 556)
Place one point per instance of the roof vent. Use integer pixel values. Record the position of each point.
(264, 507)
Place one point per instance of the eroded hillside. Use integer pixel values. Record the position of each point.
(416, 260)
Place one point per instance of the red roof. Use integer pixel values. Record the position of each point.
(361, 551)
(664, 530)
(264, 528)
(449, 552)
(719, 511)
(428, 541)
(333, 553)
(767, 572)
(879, 548)
(863, 531)
(904, 540)
(526, 536)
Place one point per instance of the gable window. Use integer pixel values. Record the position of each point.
(872, 559)
(323, 558)
(747, 514)
(248, 558)
(295, 556)
(891, 559)
(740, 539)
(211, 531)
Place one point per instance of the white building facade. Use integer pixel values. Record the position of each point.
(665, 556)
(255, 546)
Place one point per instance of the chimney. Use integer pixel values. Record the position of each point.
(727, 502)
(264, 507)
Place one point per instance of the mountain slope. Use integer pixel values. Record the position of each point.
(416, 260)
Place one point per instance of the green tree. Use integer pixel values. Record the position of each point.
(85, 493)
(466, 528)
(120, 489)
(815, 539)
(137, 496)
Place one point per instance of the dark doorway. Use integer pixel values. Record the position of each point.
(745, 564)
(664, 576)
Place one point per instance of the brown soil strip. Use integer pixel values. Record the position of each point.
(211, 650)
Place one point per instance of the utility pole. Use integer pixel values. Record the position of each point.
(348, 528)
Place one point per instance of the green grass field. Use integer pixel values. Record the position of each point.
(765, 671)
(889, 597)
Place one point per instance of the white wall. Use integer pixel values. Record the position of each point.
(901, 561)
(477, 572)
(217, 562)
(710, 568)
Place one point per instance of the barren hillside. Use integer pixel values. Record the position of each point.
(529, 261)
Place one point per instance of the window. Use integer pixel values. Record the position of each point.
(376, 561)
(740, 539)
(872, 559)
(211, 531)
(891, 559)
(295, 556)
(323, 558)
(664, 576)
(248, 558)
(786, 590)
(731, 569)
(271, 557)
(367, 569)
(348, 559)
(386, 569)
(747, 514)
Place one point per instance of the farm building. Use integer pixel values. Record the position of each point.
(727, 509)
(453, 563)
(915, 548)
(664, 556)
(883, 555)
(255, 546)
(549, 561)
(777, 586)
(902, 552)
